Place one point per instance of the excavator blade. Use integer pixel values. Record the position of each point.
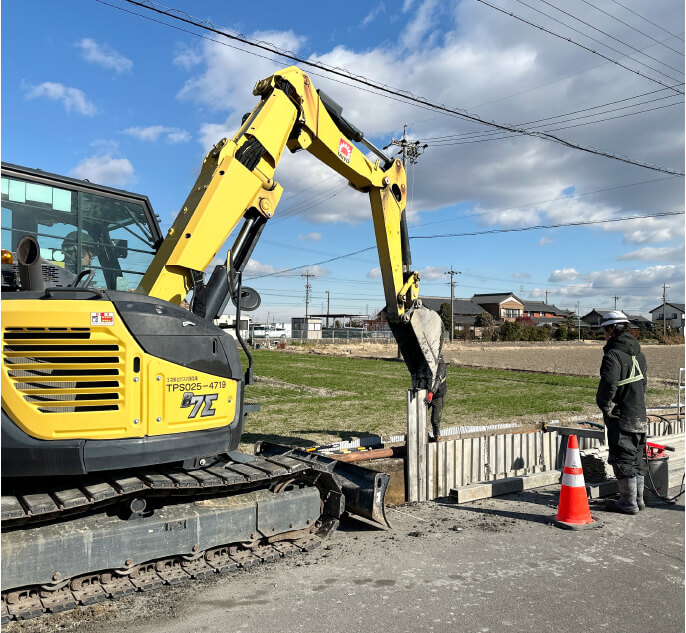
(419, 335)
(364, 489)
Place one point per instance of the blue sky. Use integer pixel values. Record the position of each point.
(96, 92)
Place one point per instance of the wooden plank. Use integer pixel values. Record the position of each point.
(452, 465)
(440, 469)
(412, 450)
(422, 443)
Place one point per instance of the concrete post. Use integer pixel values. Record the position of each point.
(415, 472)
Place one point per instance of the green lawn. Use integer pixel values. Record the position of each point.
(329, 398)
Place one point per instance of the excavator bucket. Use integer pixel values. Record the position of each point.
(419, 335)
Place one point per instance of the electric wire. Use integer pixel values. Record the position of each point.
(633, 48)
(382, 89)
(485, 137)
(634, 28)
(488, 232)
(562, 37)
(559, 116)
(530, 204)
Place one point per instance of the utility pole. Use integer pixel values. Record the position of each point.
(578, 316)
(452, 273)
(664, 310)
(546, 296)
(616, 299)
(308, 287)
(412, 152)
(328, 304)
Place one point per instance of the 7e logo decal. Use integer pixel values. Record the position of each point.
(205, 401)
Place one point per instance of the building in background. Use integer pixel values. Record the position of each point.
(673, 313)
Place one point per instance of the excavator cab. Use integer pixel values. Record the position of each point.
(78, 226)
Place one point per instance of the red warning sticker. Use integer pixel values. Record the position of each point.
(102, 318)
(345, 150)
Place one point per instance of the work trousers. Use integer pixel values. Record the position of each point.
(627, 452)
(436, 407)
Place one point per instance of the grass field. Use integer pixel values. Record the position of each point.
(309, 399)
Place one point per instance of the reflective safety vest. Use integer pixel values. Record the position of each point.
(634, 376)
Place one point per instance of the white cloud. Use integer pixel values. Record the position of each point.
(529, 77)
(153, 132)
(565, 274)
(105, 170)
(521, 276)
(187, 57)
(376, 11)
(374, 273)
(255, 268)
(71, 98)
(103, 55)
(653, 254)
(431, 273)
(314, 237)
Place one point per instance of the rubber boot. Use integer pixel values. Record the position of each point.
(626, 504)
(640, 484)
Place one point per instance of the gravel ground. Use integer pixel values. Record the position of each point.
(575, 359)
(492, 565)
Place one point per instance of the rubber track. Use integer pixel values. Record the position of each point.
(92, 493)
(32, 602)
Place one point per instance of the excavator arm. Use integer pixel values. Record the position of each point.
(236, 183)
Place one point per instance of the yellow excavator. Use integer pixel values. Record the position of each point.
(122, 410)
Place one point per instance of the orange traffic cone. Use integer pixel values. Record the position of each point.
(573, 512)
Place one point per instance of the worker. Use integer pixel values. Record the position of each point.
(621, 398)
(70, 247)
(436, 398)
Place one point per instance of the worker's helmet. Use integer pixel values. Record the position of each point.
(614, 317)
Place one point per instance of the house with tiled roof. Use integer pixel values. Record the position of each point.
(673, 313)
(502, 306)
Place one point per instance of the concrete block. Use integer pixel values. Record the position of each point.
(485, 490)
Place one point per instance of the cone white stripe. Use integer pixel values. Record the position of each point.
(573, 481)
(573, 458)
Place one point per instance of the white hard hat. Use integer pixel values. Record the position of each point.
(614, 317)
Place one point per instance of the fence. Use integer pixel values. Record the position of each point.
(433, 469)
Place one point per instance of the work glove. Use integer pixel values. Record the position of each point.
(428, 399)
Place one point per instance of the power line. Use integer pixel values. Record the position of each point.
(633, 48)
(559, 116)
(491, 136)
(548, 226)
(530, 204)
(489, 232)
(404, 95)
(562, 37)
(637, 30)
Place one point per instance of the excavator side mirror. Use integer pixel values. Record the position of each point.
(249, 300)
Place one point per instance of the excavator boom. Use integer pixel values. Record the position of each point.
(237, 183)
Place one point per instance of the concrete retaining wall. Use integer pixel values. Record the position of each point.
(434, 469)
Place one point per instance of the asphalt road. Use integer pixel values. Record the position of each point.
(493, 565)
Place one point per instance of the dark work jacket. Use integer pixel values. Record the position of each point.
(439, 387)
(623, 405)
